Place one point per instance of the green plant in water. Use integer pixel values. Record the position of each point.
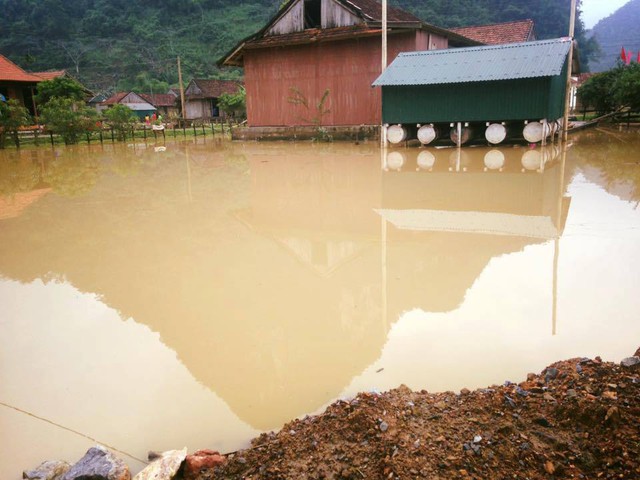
(68, 119)
(234, 104)
(12, 116)
(121, 118)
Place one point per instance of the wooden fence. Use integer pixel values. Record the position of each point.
(39, 135)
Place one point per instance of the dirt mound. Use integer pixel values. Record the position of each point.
(579, 418)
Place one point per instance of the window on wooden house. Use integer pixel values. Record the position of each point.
(312, 17)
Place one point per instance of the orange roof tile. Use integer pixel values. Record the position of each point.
(499, 33)
(9, 71)
(50, 75)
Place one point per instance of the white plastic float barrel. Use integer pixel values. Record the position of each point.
(427, 134)
(495, 133)
(395, 160)
(494, 160)
(532, 160)
(534, 131)
(396, 134)
(426, 160)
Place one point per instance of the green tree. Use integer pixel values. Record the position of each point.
(12, 116)
(121, 119)
(626, 87)
(61, 87)
(234, 104)
(610, 91)
(68, 119)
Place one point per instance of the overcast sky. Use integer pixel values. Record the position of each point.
(594, 10)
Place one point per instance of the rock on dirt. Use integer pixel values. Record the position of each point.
(563, 423)
(98, 464)
(49, 470)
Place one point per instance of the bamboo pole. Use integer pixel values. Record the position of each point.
(567, 100)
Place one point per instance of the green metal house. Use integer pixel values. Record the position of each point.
(500, 84)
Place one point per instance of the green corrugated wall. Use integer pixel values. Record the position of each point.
(523, 99)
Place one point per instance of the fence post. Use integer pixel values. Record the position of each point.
(112, 137)
(51, 136)
(195, 134)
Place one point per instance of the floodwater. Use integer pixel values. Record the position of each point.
(198, 293)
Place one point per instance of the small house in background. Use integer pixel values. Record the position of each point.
(201, 97)
(135, 102)
(500, 33)
(478, 87)
(311, 47)
(15, 83)
(166, 104)
(97, 102)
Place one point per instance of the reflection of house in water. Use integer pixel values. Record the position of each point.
(14, 205)
(278, 312)
(444, 220)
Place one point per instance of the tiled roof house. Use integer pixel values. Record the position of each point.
(500, 33)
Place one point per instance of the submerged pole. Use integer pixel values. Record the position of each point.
(383, 129)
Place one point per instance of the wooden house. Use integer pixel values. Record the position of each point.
(15, 83)
(517, 84)
(500, 33)
(311, 47)
(166, 104)
(135, 102)
(201, 97)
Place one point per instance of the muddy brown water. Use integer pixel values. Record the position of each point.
(197, 293)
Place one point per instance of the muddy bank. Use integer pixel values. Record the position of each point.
(579, 418)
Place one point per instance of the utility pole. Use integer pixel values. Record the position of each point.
(184, 116)
(567, 100)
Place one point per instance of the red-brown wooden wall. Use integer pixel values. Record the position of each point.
(347, 68)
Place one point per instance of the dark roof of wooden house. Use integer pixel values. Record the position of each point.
(115, 98)
(210, 88)
(11, 72)
(500, 33)
(369, 13)
(372, 10)
(160, 99)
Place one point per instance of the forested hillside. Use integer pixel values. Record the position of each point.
(621, 29)
(118, 44)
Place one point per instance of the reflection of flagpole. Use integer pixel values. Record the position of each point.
(556, 242)
(383, 249)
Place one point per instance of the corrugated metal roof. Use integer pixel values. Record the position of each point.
(543, 58)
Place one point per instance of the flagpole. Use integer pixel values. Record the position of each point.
(384, 35)
(567, 102)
